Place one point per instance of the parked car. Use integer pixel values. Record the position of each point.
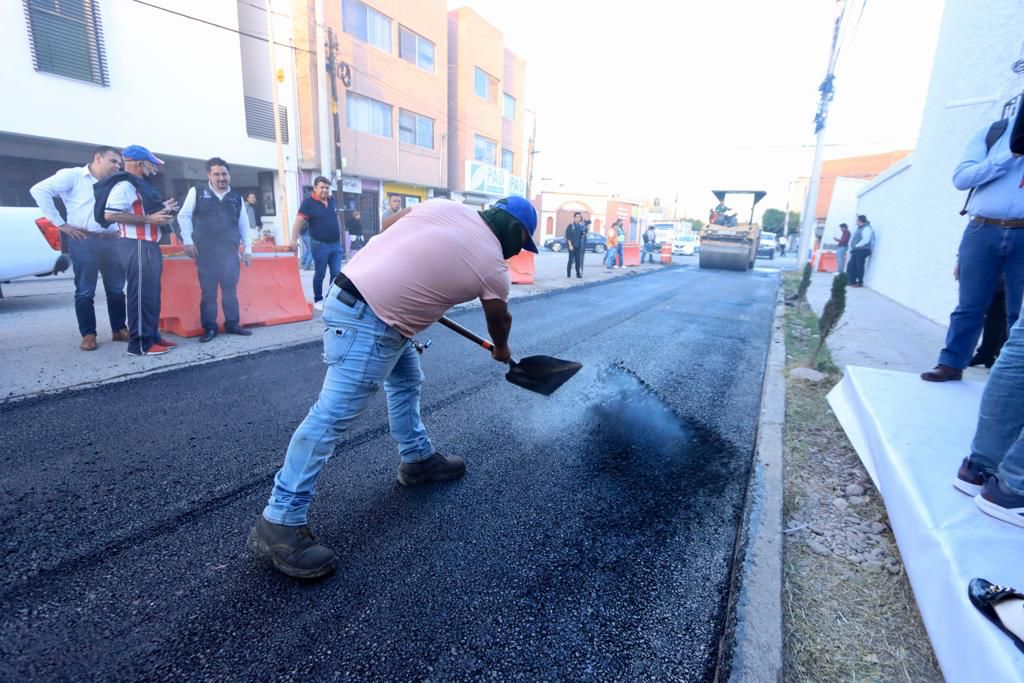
(686, 245)
(595, 243)
(768, 245)
(29, 245)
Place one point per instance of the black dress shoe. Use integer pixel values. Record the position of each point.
(237, 329)
(981, 360)
(985, 595)
(207, 336)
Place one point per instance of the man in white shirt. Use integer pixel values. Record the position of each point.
(93, 248)
(213, 222)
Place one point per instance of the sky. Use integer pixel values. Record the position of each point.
(660, 99)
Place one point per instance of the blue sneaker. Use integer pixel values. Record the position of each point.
(970, 478)
(998, 501)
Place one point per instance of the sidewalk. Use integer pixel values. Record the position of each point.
(39, 336)
(877, 332)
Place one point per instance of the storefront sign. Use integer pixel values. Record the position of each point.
(353, 185)
(487, 179)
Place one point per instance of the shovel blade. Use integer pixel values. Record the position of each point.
(542, 374)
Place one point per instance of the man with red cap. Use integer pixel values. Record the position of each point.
(427, 259)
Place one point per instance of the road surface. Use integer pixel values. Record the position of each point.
(592, 537)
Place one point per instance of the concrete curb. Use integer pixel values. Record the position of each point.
(756, 602)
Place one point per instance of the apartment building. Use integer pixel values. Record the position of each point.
(188, 79)
(390, 76)
(486, 85)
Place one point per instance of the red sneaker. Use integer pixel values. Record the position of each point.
(154, 350)
(166, 342)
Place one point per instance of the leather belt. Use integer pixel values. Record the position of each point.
(349, 293)
(1000, 222)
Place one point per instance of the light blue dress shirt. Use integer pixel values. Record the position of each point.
(997, 176)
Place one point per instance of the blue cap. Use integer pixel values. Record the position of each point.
(523, 211)
(139, 153)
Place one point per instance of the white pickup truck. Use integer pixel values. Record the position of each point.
(28, 247)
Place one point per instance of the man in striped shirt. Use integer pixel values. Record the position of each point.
(139, 209)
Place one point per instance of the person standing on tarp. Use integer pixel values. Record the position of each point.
(992, 245)
(214, 221)
(427, 259)
(575, 245)
(319, 213)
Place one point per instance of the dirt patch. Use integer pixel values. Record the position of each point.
(848, 609)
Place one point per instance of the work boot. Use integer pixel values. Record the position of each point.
(121, 335)
(435, 468)
(292, 549)
(88, 342)
(942, 373)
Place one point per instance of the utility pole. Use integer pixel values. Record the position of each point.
(282, 182)
(322, 69)
(529, 159)
(332, 68)
(827, 90)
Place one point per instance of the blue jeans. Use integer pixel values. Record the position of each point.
(841, 259)
(648, 252)
(325, 255)
(986, 253)
(143, 264)
(306, 252)
(93, 257)
(999, 440)
(361, 352)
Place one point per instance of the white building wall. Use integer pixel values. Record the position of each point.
(175, 85)
(915, 206)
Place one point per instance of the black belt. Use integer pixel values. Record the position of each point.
(349, 293)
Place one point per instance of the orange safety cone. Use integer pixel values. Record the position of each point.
(522, 268)
(269, 293)
(666, 253)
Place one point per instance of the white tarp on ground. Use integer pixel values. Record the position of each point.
(911, 436)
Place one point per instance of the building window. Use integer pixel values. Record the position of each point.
(366, 24)
(506, 159)
(414, 129)
(67, 39)
(485, 150)
(367, 115)
(510, 107)
(484, 85)
(415, 49)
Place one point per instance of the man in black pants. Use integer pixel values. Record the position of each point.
(574, 243)
(213, 222)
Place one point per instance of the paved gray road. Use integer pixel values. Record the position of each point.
(591, 538)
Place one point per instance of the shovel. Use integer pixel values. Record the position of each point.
(542, 374)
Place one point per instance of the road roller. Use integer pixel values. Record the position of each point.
(725, 242)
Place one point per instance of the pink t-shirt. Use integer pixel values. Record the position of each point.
(440, 254)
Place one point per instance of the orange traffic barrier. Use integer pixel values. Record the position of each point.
(666, 253)
(269, 293)
(827, 262)
(631, 254)
(522, 269)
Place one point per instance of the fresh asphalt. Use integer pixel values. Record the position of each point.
(592, 537)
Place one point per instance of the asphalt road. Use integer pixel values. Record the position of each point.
(592, 537)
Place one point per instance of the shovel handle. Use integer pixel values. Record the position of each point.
(459, 329)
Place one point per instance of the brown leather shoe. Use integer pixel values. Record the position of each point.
(942, 373)
(88, 342)
(122, 335)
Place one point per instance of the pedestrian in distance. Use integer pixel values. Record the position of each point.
(394, 205)
(650, 243)
(427, 259)
(575, 245)
(992, 245)
(141, 213)
(92, 247)
(319, 213)
(860, 250)
(620, 239)
(214, 220)
(842, 247)
(782, 244)
(354, 228)
(613, 240)
(252, 210)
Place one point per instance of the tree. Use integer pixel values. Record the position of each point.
(773, 220)
(695, 224)
(794, 222)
